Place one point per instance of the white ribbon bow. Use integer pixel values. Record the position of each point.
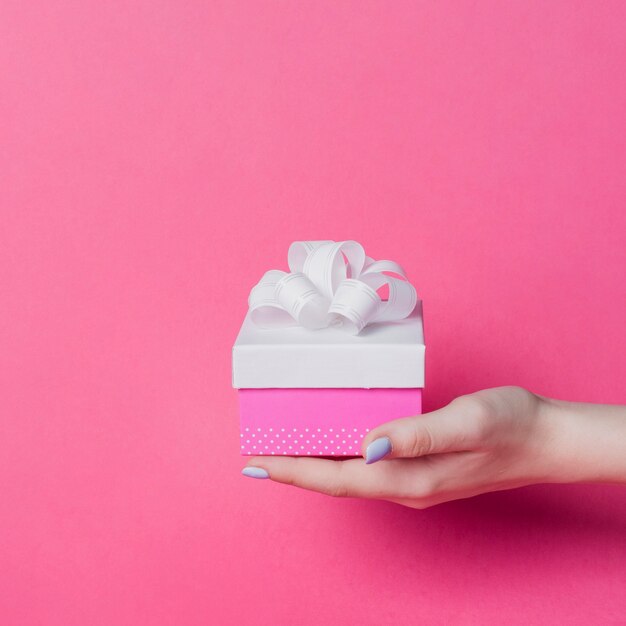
(331, 283)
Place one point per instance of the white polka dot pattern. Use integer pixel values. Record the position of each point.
(303, 441)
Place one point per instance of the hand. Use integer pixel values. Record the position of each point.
(488, 441)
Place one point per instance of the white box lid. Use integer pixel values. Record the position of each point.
(382, 355)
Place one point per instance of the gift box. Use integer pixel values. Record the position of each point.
(327, 352)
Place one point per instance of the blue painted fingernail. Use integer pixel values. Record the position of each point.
(378, 449)
(255, 472)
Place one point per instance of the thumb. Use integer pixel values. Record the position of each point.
(454, 428)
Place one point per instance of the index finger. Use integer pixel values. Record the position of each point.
(342, 478)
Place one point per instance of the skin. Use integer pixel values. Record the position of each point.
(491, 440)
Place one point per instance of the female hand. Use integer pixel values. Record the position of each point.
(491, 440)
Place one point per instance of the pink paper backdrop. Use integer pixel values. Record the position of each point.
(156, 157)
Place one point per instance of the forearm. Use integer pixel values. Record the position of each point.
(585, 442)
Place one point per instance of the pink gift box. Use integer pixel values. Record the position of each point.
(318, 422)
(318, 393)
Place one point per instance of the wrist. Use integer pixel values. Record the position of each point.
(583, 442)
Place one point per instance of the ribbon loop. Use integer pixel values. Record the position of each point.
(329, 282)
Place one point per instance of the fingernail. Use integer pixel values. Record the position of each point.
(255, 472)
(378, 449)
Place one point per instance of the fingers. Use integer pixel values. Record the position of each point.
(457, 427)
(345, 478)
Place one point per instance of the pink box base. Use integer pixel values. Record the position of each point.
(318, 422)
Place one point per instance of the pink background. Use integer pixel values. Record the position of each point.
(156, 157)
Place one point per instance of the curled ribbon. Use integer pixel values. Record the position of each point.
(331, 283)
